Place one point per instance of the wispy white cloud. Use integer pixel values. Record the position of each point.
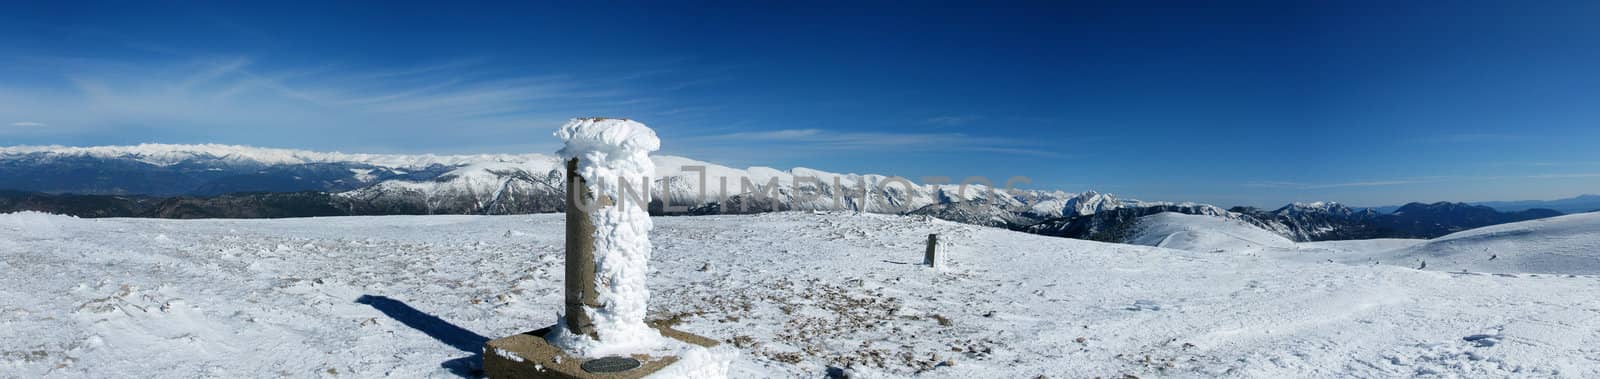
(696, 82)
(951, 120)
(1566, 176)
(1561, 164)
(214, 71)
(825, 140)
(1481, 137)
(29, 124)
(1360, 183)
(771, 135)
(424, 69)
(690, 110)
(244, 99)
(1410, 181)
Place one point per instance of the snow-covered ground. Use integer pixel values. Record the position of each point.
(1558, 245)
(1554, 246)
(1204, 234)
(797, 293)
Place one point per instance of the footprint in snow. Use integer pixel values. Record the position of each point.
(1482, 340)
(1144, 305)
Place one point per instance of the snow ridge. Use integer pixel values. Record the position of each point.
(1557, 245)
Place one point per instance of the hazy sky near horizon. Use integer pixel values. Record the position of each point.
(1231, 103)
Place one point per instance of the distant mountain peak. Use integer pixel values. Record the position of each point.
(1315, 207)
(1090, 202)
(1441, 206)
(1576, 204)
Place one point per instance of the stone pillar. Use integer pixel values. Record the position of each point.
(930, 257)
(580, 255)
(607, 255)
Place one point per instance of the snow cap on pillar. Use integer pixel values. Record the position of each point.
(609, 144)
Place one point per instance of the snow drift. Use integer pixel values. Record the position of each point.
(1559, 245)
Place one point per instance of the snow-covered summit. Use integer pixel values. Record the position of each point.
(1315, 207)
(1312, 205)
(1090, 202)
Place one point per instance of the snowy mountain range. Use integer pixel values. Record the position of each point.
(1578, 204)
(1321, 221)
(474, 184)
(225, 181)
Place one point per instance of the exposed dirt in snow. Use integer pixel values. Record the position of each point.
(797, 293)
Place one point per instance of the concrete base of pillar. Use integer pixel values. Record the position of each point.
(529, 356)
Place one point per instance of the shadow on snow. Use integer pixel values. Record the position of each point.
(455, 336)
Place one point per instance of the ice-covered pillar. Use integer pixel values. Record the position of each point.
(580, 255)
(608, 240)
(603, 333)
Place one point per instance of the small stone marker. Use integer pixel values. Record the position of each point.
(931, 257)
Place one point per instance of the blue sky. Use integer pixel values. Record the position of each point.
(1251, 103)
